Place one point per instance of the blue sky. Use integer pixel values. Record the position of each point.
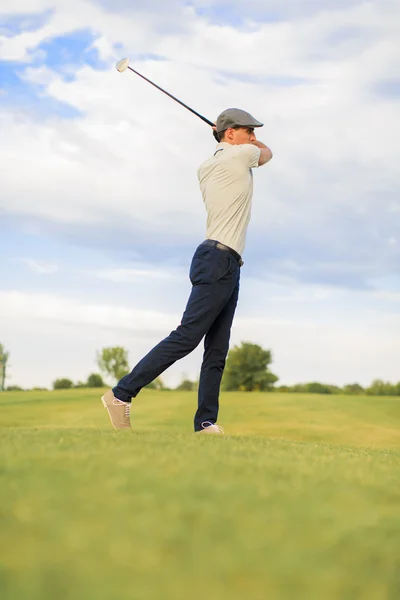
(100, 210)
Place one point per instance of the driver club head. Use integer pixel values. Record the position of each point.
(122, 65)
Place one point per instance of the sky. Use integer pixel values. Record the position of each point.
(100, 210)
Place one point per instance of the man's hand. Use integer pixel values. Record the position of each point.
(266, 153)
(215, 134)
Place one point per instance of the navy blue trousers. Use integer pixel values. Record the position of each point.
(215, 276)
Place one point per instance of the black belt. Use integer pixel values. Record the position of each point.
(220, 246)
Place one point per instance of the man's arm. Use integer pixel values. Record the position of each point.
(266, 153)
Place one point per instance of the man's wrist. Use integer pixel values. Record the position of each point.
(259, 144)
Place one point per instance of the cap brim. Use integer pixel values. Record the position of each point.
(255, 124)
(251, 125)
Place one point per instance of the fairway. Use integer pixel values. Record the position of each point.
(300, 500)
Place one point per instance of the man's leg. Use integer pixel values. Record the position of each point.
(216, 346)
(213, 277)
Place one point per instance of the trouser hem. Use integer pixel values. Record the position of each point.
(123, 396)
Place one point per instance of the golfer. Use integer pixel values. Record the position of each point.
(226, 183)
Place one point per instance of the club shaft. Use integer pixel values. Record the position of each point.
(173, 98)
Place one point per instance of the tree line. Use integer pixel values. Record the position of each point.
(247, 369)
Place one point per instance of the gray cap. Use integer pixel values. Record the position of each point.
(235, 117)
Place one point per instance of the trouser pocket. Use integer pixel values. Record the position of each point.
(210, 265)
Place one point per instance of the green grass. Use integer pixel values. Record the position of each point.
(300, 501)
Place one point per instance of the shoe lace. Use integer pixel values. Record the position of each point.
(127, 407)
(206, 424)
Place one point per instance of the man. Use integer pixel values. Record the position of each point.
(226, 183)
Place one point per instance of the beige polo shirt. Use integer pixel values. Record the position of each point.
(226, 183)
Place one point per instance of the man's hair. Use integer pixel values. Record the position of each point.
(217, 136)
(221, 134)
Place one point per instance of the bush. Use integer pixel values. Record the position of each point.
(381, 388)
(80, 384)
(62, 384)
(157, 384)
(353, 388)
(95, 380)
(314, 387)
(186, 386)
(318, 388)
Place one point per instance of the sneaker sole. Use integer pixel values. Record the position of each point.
(209, 432)
(108, 412)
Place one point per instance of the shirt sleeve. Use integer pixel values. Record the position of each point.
(251, 155)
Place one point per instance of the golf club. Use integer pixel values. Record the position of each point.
(123, 64)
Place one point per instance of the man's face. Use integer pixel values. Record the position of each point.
(240, 135)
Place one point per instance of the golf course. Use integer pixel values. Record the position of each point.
(299, 500)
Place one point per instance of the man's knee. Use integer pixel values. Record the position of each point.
(187, 337)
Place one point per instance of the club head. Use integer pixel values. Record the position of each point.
(122, 65)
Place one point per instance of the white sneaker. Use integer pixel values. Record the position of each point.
(211, 428)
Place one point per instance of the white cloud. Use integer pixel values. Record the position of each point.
(19, 305)
(308, 340)
(121, 275)
(325, 134)
(41, 267)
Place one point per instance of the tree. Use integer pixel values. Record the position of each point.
(95, 380)
(381, 388)
(15, 388)
(157, 384)
(299, 388)
(80, 384)
(186, 386)
(247, 369)
(3, 364)
(314, 387)
(353, 388)
(113, 362)
(62, 384)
